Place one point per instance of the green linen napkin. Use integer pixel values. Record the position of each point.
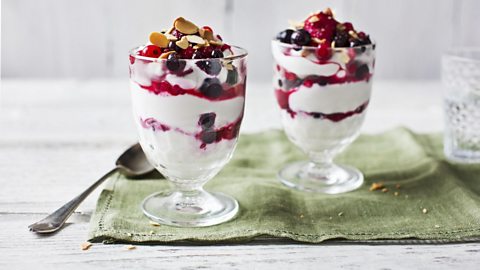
(448, 192)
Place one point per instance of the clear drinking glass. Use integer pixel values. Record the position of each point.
(188, 122)
(461, 79)
(323, 97)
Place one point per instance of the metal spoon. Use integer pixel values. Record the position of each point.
(132, 163)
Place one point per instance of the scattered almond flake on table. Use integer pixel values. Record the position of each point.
(86, 245)
(130, 247)
(376, 186)
(153, 223)
(437, 226)
(397, 186)
(424, 210)
(340, 214)
(384, 190)
(396, 193)
(301, 216)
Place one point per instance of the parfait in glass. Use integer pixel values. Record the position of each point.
(322, 81)
(188, 95)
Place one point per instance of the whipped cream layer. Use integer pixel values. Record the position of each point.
(330, 98)
(183, 111)
(319, 135)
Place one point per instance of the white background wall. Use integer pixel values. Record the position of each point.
(91, 38)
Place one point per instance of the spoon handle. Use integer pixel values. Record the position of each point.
(55, 221)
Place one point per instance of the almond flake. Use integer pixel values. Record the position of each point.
(216, 42)
(395, 193)
(295, 24)
(353, 34)
(86, 245)
(184, 26)
(206, 34)
(195, 39)
(171, 37)
(130, 247)
(313, 19)
(158, 39)
(153, 223)
(182, 43)
(165, 55)
(319, 41)
(376, 186)
(328, 11)
(424, 210)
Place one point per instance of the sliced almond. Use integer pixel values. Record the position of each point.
(182, 43)
(313, 19)
(328, 11)
(353, 34)
(153, 223)
(185, 26)
(158, 39)
(207, 34)
(295, 24)
(201, 32)
(130, 247)
(165, 55)
(86, 245)
(216, 42)
(319, 41)
(195, 39)
(171, 37)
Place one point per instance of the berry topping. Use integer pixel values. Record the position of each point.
(232, 76)
(217, 53)
(151, 51)
(211, 67)
(208, 136)
(323, 52)
(341, 39)
(173, 64)
(186, 39)
(207, 120)
(362, 72)
(172, 46)
(322, 27)
(285, 36)
(300, 37)
(211, 88)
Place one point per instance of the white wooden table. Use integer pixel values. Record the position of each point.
(57, 137)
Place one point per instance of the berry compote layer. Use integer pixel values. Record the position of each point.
(322, 81)
(188, 92)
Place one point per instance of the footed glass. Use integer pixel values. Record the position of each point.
(188, 115)
(461, 80)
(323, 97)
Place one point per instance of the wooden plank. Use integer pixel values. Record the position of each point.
(63, 249)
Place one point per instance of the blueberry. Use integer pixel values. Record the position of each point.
(211, 88)
(362, 71)
(301, 37)
(207, 120)
(232, 76)
(285, 36)
(172, 46)
(173, 64)
(341, 39)
(208, 136)
(197, 55)
(217, 53)
(210, 67)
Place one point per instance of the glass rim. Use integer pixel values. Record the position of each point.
(293, 46)
(456, 54)
(243, 54)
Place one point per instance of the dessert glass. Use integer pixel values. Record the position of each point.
(323, 105)
(188, 123)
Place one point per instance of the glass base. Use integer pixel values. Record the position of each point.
(462, 156)
(181, 209)
(308, 176)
